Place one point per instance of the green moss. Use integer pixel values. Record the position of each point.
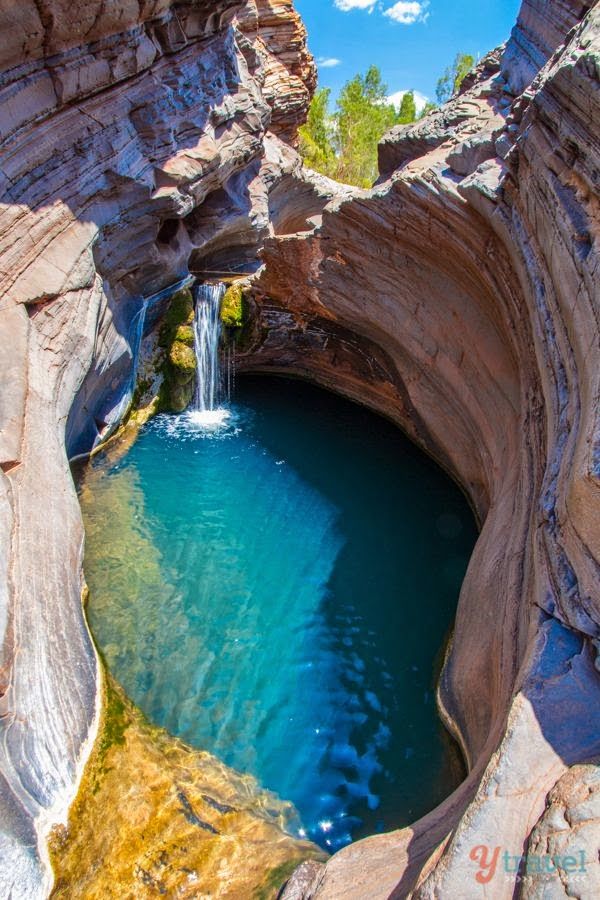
(177, 397)
(141, 396)
(233, 307)
(183, 360)
(185, 335)
(115, 721)
(142, 388)
(142, 415)
(180, 312)
(176, 338)
(276, 878)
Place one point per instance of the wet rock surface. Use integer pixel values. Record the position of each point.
(459, 298)
(118, 123)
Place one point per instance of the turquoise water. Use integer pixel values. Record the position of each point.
(278, 592)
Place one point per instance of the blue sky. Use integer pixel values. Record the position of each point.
(412, 42)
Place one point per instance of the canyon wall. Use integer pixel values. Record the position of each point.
(459, 297)
(125, 127)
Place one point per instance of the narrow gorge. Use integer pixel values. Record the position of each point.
(149, 150)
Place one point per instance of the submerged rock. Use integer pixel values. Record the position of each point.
(155, 818)
(460, 302)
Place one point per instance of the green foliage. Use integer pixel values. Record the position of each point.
(449, 84)
(408, 109)
(343, 144)
(363, 116)
(429, 107)
(233, 307)
(316, 137)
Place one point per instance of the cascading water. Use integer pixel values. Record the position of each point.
(207, 409)
(137, 325)
(135, 342)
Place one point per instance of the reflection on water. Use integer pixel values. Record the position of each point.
(275, 589)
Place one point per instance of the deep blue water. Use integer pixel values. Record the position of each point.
(279, 593)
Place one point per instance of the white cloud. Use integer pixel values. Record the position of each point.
(420, 100)
(328, 62)
(347, 5)
(407, 13)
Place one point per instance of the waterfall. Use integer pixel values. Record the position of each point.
(137, 324)
(114, 416)
(207, 332)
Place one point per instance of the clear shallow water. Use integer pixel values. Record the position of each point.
(278, 591)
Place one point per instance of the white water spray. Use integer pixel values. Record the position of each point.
(207, 409)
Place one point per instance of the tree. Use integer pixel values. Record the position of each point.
(316, 136)
(362, 117)
(343, 144)
(429, 107)
(408, 109)
(449, 84)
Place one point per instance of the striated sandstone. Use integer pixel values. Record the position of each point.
(278, 36)
(459, 298)
(470, 116)
(540, 29)
(117, 122)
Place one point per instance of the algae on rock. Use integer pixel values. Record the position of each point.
(185, 335)
(176, 339)
(154, 817)
(175, 356)
(182, 361)
(233, 307)
(237, 318)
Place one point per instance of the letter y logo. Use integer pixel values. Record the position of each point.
(486, 865)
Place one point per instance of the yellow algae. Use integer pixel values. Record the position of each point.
(155, 818)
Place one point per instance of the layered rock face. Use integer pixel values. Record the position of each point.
(279, 38)
(540, 29)
(124, 126)
(459, 298)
